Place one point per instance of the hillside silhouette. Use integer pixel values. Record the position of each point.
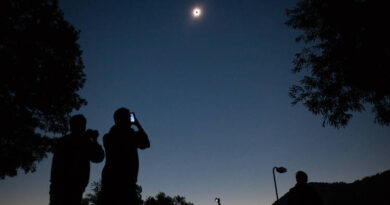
(369, 190)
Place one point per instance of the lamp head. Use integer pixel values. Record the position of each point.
(281, 169)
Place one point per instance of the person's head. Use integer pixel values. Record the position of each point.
(301, 177)
(77, 123)
(122, 116)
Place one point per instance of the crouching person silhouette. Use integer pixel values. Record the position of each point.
(120, 173)
(71, 163)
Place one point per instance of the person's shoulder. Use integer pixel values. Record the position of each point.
(63, 139)
(108, 135)
(298, 188)
(113, 130)
(293, 190)
(61, 142)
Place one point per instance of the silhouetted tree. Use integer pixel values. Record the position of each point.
(159, 199)
(162, 199)
(42, 71)
(346, 56)
(92, 198)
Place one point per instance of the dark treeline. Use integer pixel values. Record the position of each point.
(160, 199)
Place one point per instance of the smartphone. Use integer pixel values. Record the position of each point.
(132, 118)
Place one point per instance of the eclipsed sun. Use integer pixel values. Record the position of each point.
(196, 12)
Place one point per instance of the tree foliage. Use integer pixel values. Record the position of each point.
(159, 199)
(345, 58)
(42, 71)
(93, 198)
(162, 199)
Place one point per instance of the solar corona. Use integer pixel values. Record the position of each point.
(196, 12)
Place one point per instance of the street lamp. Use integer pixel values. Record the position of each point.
(218, 200)
(280, 170)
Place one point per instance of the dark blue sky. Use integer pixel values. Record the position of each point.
(212, 94)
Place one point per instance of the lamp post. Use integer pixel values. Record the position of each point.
(218, 200)
(279, 170)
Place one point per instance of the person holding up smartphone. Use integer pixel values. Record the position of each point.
(120, 173)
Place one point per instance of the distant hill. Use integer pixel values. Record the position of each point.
(371, 190)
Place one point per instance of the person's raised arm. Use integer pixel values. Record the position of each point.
(142, 138)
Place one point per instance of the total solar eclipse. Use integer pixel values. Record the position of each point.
(196, 12)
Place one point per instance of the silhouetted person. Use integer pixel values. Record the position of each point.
(120, 172)
(302, 193)
(71, 163)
